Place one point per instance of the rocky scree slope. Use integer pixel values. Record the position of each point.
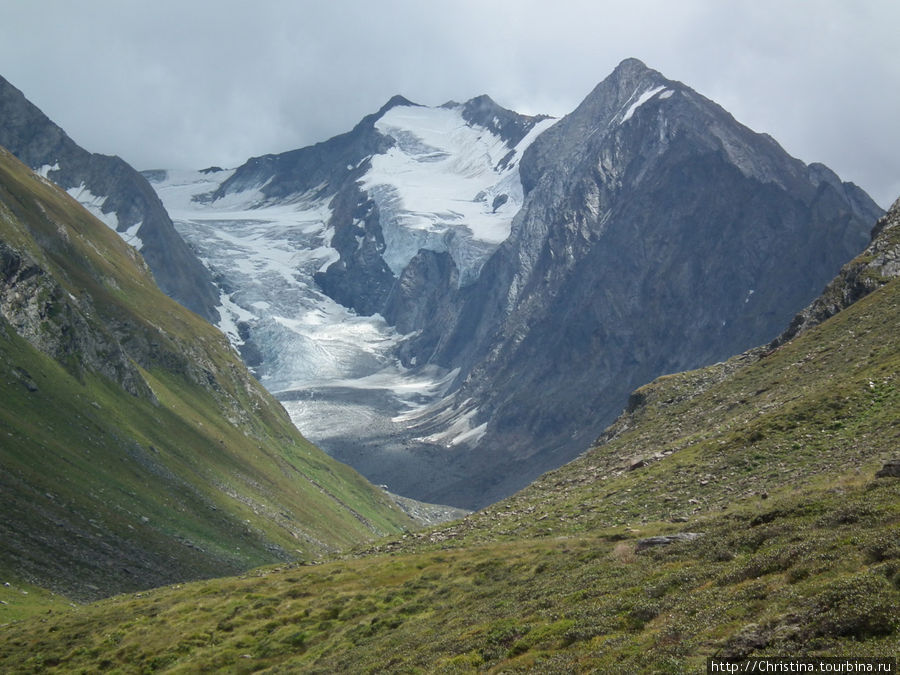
(136, 449)
(760, 473)
(115, 192)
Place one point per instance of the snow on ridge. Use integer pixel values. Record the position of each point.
(94, 205)
(530, 137)
(442, 187)
(641, 100)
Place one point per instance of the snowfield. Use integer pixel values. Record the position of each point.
(444, 186)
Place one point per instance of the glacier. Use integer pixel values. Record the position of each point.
(444, 184)
(332, 370)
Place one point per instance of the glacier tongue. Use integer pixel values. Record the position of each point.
(332, 369)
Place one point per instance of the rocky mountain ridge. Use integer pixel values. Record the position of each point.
(114, 192)
(656, 234)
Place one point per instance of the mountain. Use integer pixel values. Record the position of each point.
(522, 274)
(279, 229)
(136, 449)
(657, 234)
(114, 192)
(733, 512)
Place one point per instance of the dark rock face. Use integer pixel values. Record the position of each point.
(423, 295)
(873, 268)
(360, 278)
(38, 142)
(508, 125)
(657, 235)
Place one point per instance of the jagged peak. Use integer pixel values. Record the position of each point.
(482, 100)
(633, 72)
(395, 101)
(623, 85)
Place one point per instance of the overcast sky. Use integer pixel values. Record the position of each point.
(191, 83)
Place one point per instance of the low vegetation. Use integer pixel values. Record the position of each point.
(770, 458)
(812, 573)
(136, 449)
(764, 465)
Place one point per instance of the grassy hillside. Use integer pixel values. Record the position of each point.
(770, 458)
(135, 448)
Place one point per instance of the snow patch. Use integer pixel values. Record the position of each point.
(230, 314)
(46, 169)
(94, 204)
(641, 100)
(460, 431)
(131, 236)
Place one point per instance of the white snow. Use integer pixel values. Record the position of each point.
(46, 169)
(436, 187)
(231, 314)
(131, 236)
(268, 254)
(94, 204)
(641, 100)
(460, 431)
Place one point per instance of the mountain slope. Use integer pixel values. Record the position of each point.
(761, 471)
(656, 234)
(114, 192)
(531, 272)
(136, 448)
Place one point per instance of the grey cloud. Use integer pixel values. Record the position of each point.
(187, 84)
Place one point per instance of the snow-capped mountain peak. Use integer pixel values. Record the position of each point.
(445, 185)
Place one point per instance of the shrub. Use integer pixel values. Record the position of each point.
(859, 606)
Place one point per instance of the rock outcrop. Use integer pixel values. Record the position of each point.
(117, 193)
